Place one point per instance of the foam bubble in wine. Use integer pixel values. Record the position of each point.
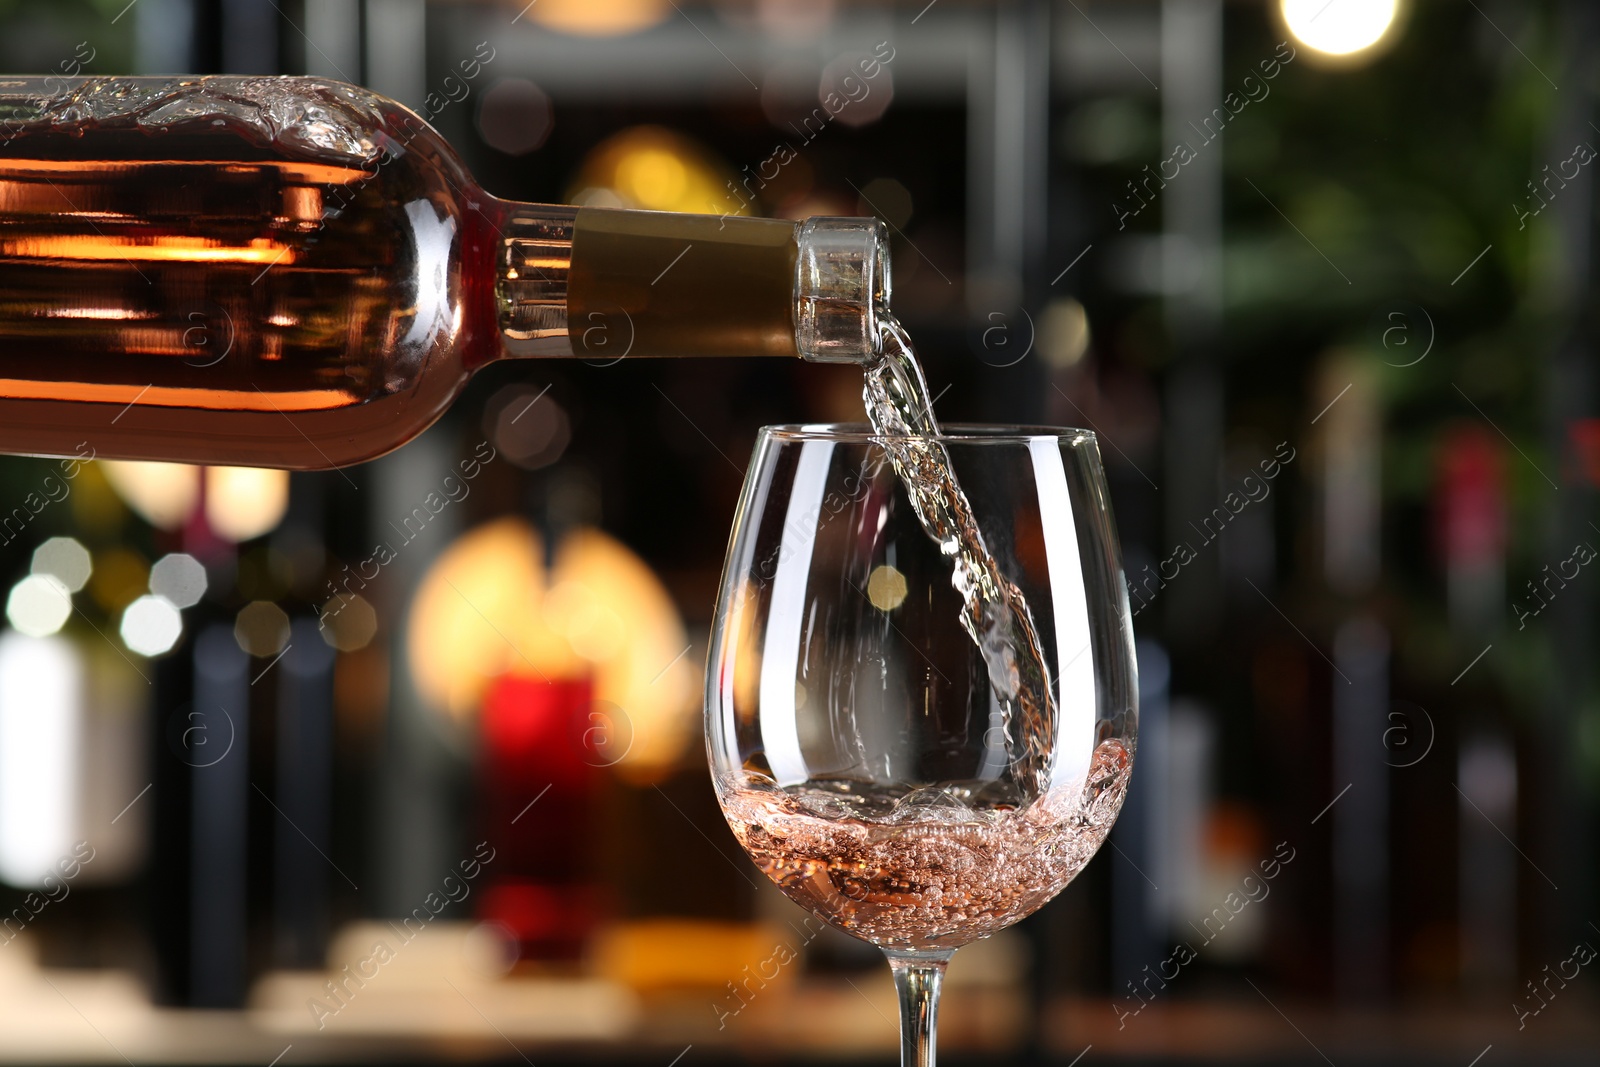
(935, 873)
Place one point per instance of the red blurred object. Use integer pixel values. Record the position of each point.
(539, 795)
(1584, 436)
(197, 536)
(1471, 499)
(543, 917)
(537, 726)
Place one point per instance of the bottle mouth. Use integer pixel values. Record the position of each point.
(841, 288)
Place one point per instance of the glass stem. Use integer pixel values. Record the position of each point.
(917, 978)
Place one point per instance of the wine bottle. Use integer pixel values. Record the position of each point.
(294, 272)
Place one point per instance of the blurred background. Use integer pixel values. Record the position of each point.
(1319, 272)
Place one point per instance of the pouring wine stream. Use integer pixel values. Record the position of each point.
(994, 613)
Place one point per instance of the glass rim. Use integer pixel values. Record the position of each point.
(956, 432)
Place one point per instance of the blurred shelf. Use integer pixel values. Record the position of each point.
(434, 998)
(96, 1017)
(74, 1017)
(438, 996)
(1237, 1031)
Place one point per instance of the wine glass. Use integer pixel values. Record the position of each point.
(922, 740)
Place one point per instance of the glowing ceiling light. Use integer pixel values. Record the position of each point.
(164, 494)
(245, 502)
(598, 18)
(1339, 27)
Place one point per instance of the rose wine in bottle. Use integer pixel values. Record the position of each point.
(293, 272)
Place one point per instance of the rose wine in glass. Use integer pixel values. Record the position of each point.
(921, 699)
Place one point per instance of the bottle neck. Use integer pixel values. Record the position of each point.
(533, 267)
(605, 284)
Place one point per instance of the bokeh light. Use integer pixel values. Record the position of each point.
(887, 199)
(853, 98)
(597, 18)
(515, 116)
(886, 588)
(657, 169)
(163, 494)
(1063, 332)
(349, 623)
(591, 627)
(65, 559)
(1339, 27)
(527, 426)
(180, 578)
(245, 502)
(39, 605)
(487, 607)
(151, 625)
(261, 628)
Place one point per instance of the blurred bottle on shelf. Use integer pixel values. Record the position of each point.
(536, 751)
